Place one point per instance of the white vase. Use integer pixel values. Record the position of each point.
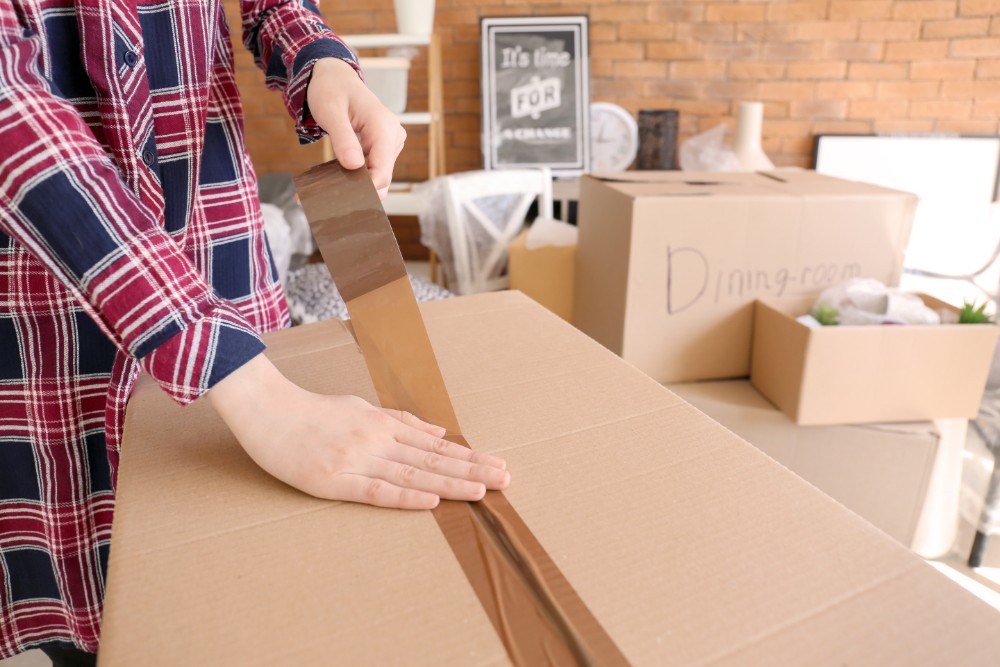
(415, 17)
(747, 145)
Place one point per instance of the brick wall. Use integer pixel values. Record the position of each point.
(270, 133)
(819, 65)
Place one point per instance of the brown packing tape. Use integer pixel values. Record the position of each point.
(349, 231)
(535, 611)
(398, 353)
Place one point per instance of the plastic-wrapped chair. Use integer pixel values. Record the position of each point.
(987, 426)
(472, 217)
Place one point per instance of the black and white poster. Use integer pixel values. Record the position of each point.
(536, 93)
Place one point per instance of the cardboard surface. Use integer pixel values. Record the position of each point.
(879, 471)
(669, 263)
(858, 374)
(689, 545)
(544, 274)
(533, 608)
(221, 564)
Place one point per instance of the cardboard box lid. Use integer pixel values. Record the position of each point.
(639, 184)
(689, 545)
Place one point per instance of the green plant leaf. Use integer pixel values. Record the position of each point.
(826, 315)
(970, 314)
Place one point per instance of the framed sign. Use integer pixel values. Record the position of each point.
(536, 93)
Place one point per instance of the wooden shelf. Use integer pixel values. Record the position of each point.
(433, 118)
(389, 39)
(415, 118)
(402, 201)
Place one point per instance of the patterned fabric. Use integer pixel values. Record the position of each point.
(313, 297)
(130, 237)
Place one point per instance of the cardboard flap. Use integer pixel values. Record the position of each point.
(779, 348)
(670, 184)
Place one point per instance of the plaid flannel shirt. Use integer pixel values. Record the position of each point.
(130, 237)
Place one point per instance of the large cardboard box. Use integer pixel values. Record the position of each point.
(544, 274)
(880, 471)
(668, 264)
(689, 545)
(858, 374)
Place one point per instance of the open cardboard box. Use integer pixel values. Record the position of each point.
(669, 263)
(544, 274)
(688, 545)
(857, 374)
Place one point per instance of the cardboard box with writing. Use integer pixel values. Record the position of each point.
(880, 471)
(858, 374)
(669, 263)
(544, 274)
(689, 546)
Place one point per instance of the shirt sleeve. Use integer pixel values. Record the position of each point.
(286, 37)
(64, 202)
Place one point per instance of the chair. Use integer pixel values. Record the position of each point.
(986, 425)
(472, 218)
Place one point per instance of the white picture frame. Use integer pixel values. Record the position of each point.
(955, 178)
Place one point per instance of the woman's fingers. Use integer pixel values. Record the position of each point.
(428, 450)
(410, 477)
(493, 477)
(358, 488)
(382, 137)
(430, 443)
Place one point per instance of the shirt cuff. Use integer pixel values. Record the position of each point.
(301, 69)
(210, 348)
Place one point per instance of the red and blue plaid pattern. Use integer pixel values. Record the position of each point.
(130, 237)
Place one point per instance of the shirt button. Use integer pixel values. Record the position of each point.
(148, 158)
(131, 58)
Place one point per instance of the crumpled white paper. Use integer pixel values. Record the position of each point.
(547, 232)
(868, 301)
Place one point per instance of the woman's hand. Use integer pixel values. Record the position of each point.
(344, 448)
(362, 131)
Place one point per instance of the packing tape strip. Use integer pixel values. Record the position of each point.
(537, 614)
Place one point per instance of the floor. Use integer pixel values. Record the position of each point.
(29, 659)
(983, 582)
(417, 268)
